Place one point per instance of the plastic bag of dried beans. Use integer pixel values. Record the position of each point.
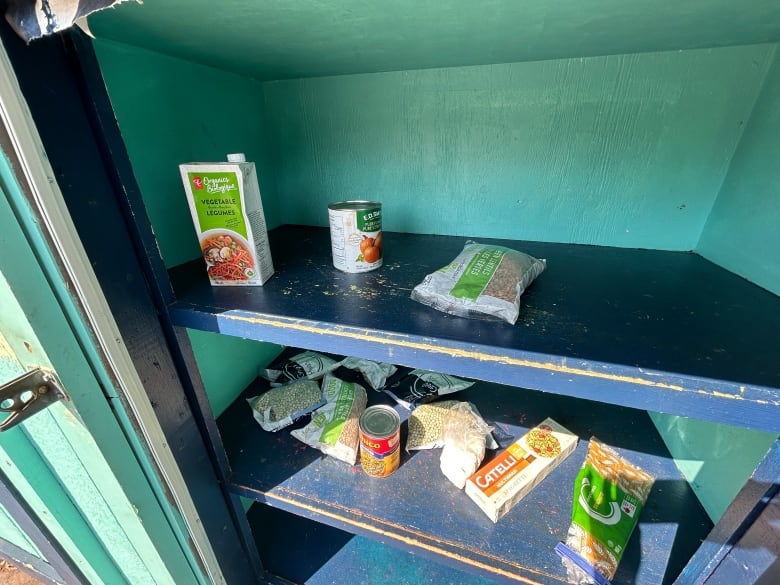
(464, 443)
(307, 365)
(417, 387)
(427, 424)
(281, 406)
(483, 281)
(374, 373)
(334, 427)
(609, 493)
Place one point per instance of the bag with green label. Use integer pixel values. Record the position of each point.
(334, 427)
(484, 281)
(609, 494)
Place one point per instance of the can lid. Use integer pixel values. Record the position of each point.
(354, 205)
(236, 157)
(379, 421)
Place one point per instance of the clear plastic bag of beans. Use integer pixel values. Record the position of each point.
(464, 437)
(427, 425)
(483, 281)
(281, 406)
(334, 427)
(417, 387)
(307, 365)
(609, 494)
(374, 373)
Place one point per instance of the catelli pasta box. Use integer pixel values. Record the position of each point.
(503, 481)
(224, 200)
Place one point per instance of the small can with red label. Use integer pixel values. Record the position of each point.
(380, 440)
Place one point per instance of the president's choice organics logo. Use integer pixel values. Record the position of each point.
(217, 200)
(215, 183)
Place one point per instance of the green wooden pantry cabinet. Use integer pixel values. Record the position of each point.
(632, 146)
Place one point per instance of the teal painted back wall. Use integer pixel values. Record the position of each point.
(625, 150)
(172, 111)
(742, 234)
(743, 230)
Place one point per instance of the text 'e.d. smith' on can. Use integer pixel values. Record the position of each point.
(356, 235)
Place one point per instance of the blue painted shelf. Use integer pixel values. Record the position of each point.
(655, 330)
(604, 335)
(416, 509)
(335, 557)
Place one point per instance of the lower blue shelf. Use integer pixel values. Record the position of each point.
(310, 553)
(418, 511)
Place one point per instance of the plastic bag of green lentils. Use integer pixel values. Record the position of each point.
(483, 281)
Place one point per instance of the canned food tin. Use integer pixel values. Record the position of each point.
(380, 440)
(356, 235)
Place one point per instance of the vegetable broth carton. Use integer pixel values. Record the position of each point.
(503, 481)
(226, 208)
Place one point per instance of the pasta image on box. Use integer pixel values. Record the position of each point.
(501, 483)
(224, 200)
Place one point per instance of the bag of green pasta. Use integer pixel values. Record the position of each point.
(609, 493)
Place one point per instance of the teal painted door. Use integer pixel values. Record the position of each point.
(54, 463)
(65, 469)
(82, 471)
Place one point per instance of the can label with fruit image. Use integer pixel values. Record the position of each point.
(356, 235)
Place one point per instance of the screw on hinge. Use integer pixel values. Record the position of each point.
(27, 394)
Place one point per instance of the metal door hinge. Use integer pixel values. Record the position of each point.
(31, 392)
